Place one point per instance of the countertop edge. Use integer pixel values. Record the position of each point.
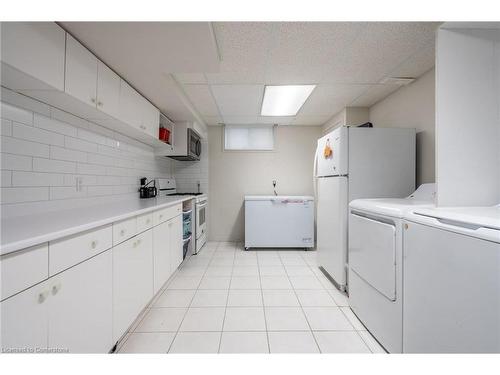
(56, 235)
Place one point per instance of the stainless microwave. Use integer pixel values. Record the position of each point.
(190, 149)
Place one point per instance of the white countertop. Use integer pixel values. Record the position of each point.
(21, 232)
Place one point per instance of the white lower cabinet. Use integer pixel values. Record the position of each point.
(132, 280)
(25, 320)
(80, 317)
(161, 255)
(176, 250)
(70, 311)
(167, 250)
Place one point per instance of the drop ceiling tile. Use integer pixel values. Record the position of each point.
(202, 99)
(243, 46)
(378, 49)
(374, 94)
(191, 78)
(238, 100)
(419, 63)
(310, 120)
(250, 76)
(326, 100)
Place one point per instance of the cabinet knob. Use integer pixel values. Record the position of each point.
(99, 104)
(148, 221)
(93, 244)
(161, 216)
(42, 296)
(122, 232)
(56, 288)
(92, 100)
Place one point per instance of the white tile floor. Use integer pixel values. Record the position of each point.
(227, 300)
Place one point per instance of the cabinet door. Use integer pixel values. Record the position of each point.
(36, 49)
(108, 90)
(81, 72)
(24, 318)
(130, 110)
(132, 280)
(80, 307)
(161, 255)
(176, 248)
(150, 119)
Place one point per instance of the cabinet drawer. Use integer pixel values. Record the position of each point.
(144, 222)
(123, 230)
(165, 214)
(72, 250)
(24, 268)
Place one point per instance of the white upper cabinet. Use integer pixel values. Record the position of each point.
(108, 90)
(130, 110)
(35, 49)
(137, 111)
(81, 72)
(150, 118)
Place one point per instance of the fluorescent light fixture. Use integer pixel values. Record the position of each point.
(285, 100)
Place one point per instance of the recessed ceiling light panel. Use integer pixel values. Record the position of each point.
(285, 100)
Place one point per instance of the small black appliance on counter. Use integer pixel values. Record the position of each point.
(146, 191)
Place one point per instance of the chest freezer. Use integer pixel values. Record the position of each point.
(279, 221)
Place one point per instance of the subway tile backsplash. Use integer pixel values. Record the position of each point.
(45, 151)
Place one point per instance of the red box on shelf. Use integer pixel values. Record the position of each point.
(164, 135)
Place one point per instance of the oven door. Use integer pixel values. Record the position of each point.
(201, 224)
(194, 144)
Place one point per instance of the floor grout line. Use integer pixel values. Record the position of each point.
(263, 307)
(188, 307)
(303, 312)
(225, 309)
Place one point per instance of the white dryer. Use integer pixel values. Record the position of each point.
(375, 263)
(452, 280)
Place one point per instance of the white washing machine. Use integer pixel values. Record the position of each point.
(375, 263)
(451, 280)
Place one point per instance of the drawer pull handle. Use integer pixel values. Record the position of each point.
(122, 232)
(42, 296)
(94, 244)
(55, 289)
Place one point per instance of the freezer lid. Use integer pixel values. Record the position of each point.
(480, 222)
(279, 198)
(332, 163)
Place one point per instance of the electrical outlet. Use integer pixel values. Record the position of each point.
(79, 184)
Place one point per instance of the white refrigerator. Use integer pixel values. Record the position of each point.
(352, 163)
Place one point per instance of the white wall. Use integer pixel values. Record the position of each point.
(348, 116)
(234, 174)
(189, 173)
(413, 106)
(44, 150)
(468, 117)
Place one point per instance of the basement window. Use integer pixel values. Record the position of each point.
(249, 137)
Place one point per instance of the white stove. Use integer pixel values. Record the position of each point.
(168, 187)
